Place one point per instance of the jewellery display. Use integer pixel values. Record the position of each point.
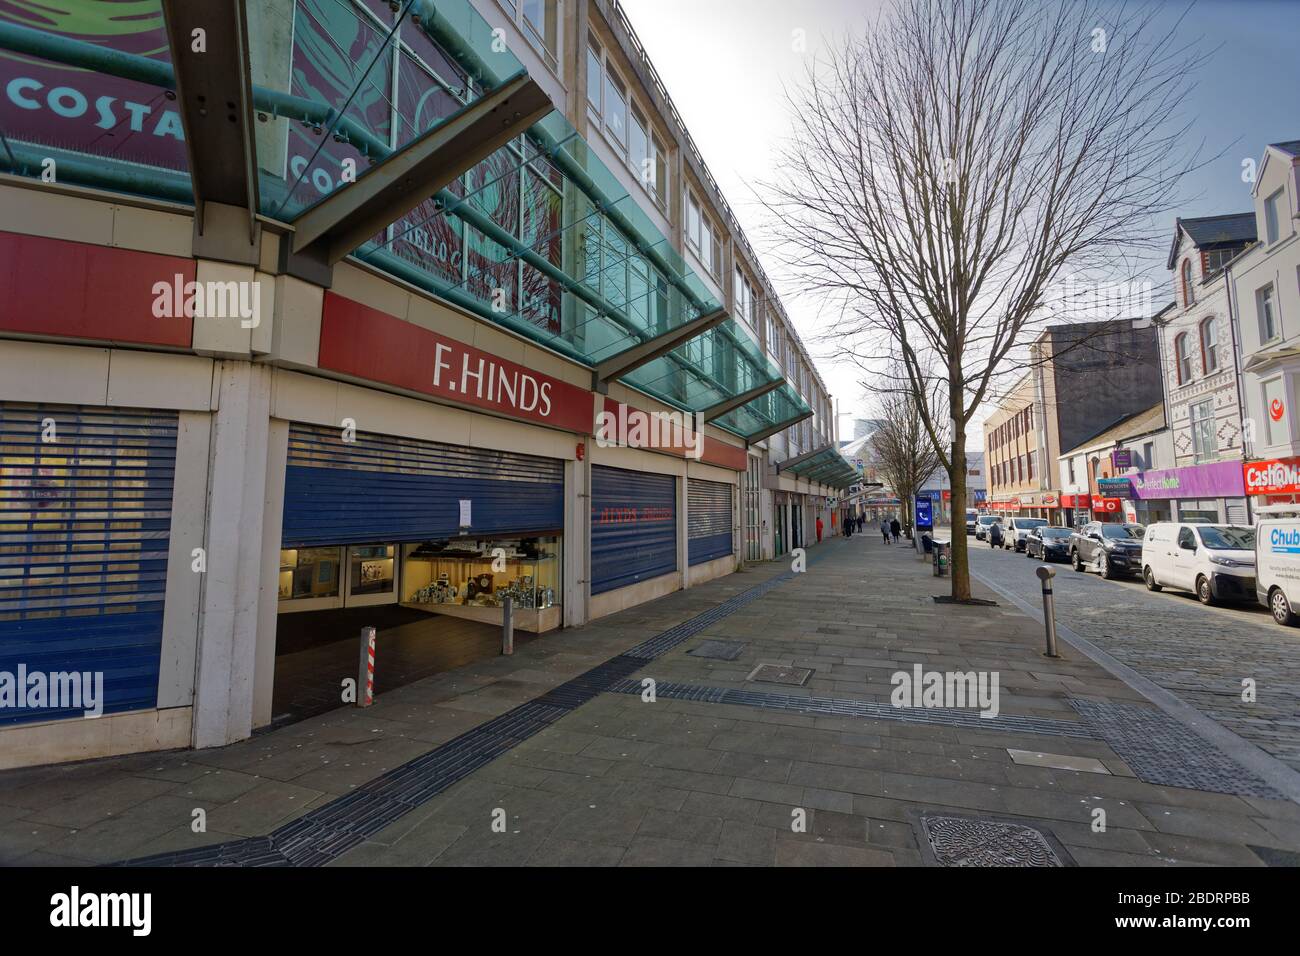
(483, 572)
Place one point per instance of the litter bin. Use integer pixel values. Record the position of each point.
(940, 552)
(926, 541)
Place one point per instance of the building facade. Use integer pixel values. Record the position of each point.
(255, 387)
(1083, 378)
(1118, 473)
(1264, 283)
(1199, 361)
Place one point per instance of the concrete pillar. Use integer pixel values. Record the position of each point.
(228, 625)
(268, 604)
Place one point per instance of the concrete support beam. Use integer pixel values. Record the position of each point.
(214, 93)
(778, 427)
(648, 351)
(347, 217)
(744, 398)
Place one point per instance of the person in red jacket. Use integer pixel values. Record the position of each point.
(819, 530)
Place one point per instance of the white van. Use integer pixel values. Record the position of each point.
(1214, 561)
(972, 519)
(1277, 559)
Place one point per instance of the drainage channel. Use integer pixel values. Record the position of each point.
(328, 832)
(870, 710)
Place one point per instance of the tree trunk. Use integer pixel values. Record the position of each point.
(959, 565)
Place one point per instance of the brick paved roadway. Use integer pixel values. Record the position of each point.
(1200, 653)
(621, 781)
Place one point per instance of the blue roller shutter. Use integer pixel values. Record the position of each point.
(384, 489)
(633, 527)
(85, 521)
(708, 520)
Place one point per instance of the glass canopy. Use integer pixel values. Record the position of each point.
(826, 466)
(541, 237)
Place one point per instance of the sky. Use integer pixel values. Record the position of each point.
(728, 64)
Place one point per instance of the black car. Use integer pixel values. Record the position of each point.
(1112, 549)
(1049, 544)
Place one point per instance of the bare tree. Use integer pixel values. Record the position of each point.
(958, 159)
(904, 454)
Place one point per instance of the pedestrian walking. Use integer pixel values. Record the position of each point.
(884, 529)
(819, 529)
(894, 529)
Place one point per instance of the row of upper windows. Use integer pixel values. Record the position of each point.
(1013, 470)
(1021, 423)
(612, 108)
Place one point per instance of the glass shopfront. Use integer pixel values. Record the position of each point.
(472, 577)
(317, 579)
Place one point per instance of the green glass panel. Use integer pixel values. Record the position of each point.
(88, 97)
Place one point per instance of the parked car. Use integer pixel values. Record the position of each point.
(1111, 549)
(1277, 562)
(1216, 561)
(972, 520)
(1019, 529)
(982, 526)
(1048, 543)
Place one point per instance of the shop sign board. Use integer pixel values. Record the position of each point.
(368, 344)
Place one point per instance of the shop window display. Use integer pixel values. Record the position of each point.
(309, 573)
(471, 577)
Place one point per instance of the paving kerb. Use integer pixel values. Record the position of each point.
(1267, 767)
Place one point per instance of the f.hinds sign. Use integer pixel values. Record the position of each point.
(1280, 476)
(372, 345)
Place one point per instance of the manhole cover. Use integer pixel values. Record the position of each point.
(780, 674)
(718, 650)
(967, 841)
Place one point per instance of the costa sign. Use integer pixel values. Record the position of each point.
(1278, 476)
(375, 346)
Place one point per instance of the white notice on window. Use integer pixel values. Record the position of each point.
(464, 513)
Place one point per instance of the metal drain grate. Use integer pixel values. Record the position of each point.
(1163, 751)
(840, 707)
(971, 841)
(780, 674)
(719, 650)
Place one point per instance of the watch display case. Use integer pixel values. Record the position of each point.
(472, 577)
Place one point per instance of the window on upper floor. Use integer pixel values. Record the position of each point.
(1216, 259)
(595, 80)
(1148, 455)
(1183, 358)
(615, 108)
(612, 109)
(1070, 467)
(1266, 310)
(1209, 346)
(1273, 217)
(1202, 422)
(1189, 295)
(540, 21)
